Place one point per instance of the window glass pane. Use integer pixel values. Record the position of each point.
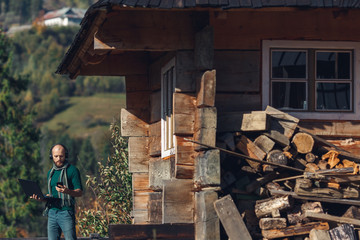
(288, 64)
(333, 96)
(289, 95)
(333, 65)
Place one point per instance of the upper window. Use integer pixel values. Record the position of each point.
(311, 79)
(167, 119)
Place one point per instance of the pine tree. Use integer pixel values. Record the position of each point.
(19, 151)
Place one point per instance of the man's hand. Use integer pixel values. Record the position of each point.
(37, 198)
(65, 190)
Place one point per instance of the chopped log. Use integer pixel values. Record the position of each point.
(277, 156)
(246, 146)
(310, 157)
(331, 218)
(352, 212)
(319, 192)
(272, 223)
(303, 142)
(294, 230)
(264, 143)
(323, 164)
(303, 183)
(316, 234)
(343, 232)
(311, 167)
(254, 121)
(231, 219)
(295, 217)
(271, 205)
(350, 193)
(314, 207)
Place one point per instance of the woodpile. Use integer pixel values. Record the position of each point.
(287, 183)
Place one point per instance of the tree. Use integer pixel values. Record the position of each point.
(19, 151)
(87, 159)
(112, 191)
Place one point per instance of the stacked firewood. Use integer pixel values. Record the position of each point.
(301, 186)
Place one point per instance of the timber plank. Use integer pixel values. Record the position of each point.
(331, 218)
(132, 126)
(282, 122)
(151, 231)
(185, 81)
(246, 146)
(184, 114)
(231, 219)
(178, 201)
(207, 90)
(254, 121)
(155, 207)
(159, 170)
(207, 225)
(138, 154)
(294, 230)
(207, 168)
(204, 48)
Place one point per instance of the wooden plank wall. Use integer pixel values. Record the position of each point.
(237, 44)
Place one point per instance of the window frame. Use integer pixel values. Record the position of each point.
(354, 47)
(167, 129)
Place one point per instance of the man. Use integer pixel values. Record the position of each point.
(64, 184)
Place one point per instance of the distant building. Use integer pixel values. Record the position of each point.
(64, 17)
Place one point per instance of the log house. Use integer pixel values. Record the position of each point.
(194, 68)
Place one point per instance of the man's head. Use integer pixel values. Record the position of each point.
(58, 155)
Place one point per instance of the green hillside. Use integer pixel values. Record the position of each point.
(87, 116)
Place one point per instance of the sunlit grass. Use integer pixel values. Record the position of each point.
(87, 116)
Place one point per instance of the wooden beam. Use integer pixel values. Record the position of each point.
(331, 218)
(138, 154)
(178, 201)
(132, 125)
(151, 231)
(127, 63)
(207, 168)
(294, 230)
(231, 219)
(184, 113)
(145, 31)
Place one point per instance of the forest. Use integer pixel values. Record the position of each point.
(31, 94)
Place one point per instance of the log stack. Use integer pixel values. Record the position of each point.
(290, 184)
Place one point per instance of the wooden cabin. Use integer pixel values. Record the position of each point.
(193, 68)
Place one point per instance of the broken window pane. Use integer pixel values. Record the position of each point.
(333, 96)
(288, 64)
(289, 95)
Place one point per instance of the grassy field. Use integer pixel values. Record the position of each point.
(88, 116)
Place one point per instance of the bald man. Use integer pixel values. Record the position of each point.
(64, 185)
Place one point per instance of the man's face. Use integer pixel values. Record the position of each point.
(58, 153)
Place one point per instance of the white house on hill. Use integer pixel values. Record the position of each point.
(64, 17)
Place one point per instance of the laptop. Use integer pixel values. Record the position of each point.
(31, 187)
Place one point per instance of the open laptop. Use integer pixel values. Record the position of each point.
(31, 187)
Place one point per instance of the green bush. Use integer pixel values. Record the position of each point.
(112, 191)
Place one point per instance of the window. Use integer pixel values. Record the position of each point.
(167, 120)
(314, 80)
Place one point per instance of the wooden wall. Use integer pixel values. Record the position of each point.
(238, 36)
